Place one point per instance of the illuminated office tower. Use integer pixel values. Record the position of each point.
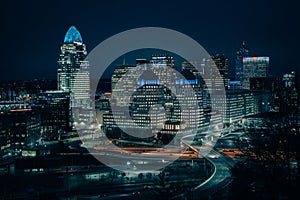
(159, 65)
(71, 60)
(191, 66)
(222, 64)
(198, 70)
(289, 79)
(168, 116)
(213, 76)
(143, 108)
(243, 52)
(254, 67)
(119, 90)
(290, 95)
(194, 118)
(163, 60)
(119, 72)
(73, 73)
(154, 108)
(236, 105)
(148, 91)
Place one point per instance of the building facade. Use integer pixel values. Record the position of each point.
(54, 106)
(19, 129)
(236, 105)
(222, 64)
(153, 107)
(254, 67)
(73, 77)
(241, 53)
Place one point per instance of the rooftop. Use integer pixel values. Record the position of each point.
(72, 35)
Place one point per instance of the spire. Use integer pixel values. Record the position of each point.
(124, 61)
(244, 43)
(72, 35)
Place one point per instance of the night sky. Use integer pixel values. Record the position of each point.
(32, 31)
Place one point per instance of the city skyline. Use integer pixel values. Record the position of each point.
(194, 100)
(223, 32)
(177, 127)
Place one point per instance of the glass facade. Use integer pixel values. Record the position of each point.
(242, 52)
(254, 67)
(73, 76)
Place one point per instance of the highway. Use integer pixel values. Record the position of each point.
(221, 176)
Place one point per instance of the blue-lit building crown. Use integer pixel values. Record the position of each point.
(143, 82)
(72, 35)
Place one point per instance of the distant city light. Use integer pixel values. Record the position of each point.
(255, 58)
(21, 110)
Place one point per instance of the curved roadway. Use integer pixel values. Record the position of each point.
(221, 176)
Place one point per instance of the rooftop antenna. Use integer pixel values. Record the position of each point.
(244, 43)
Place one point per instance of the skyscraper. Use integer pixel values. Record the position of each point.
(71, 60)
(222, 64)
(290, 95)
(120, 73)
(73, 72)
(243, 52)
(215, 73)
(254, 67)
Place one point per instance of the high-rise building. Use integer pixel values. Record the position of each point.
(73, 75)
(211, 76)
(71, 60)
(214, 75)
(19, 129)
(289, 80)
(254, 67)
(55, 110)
(222, 64)
(153, 106)
(242, 52)
(238, 103)
(119, 72)
(191, 66)
(118, 90)
(290, 94)
(162, 61)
